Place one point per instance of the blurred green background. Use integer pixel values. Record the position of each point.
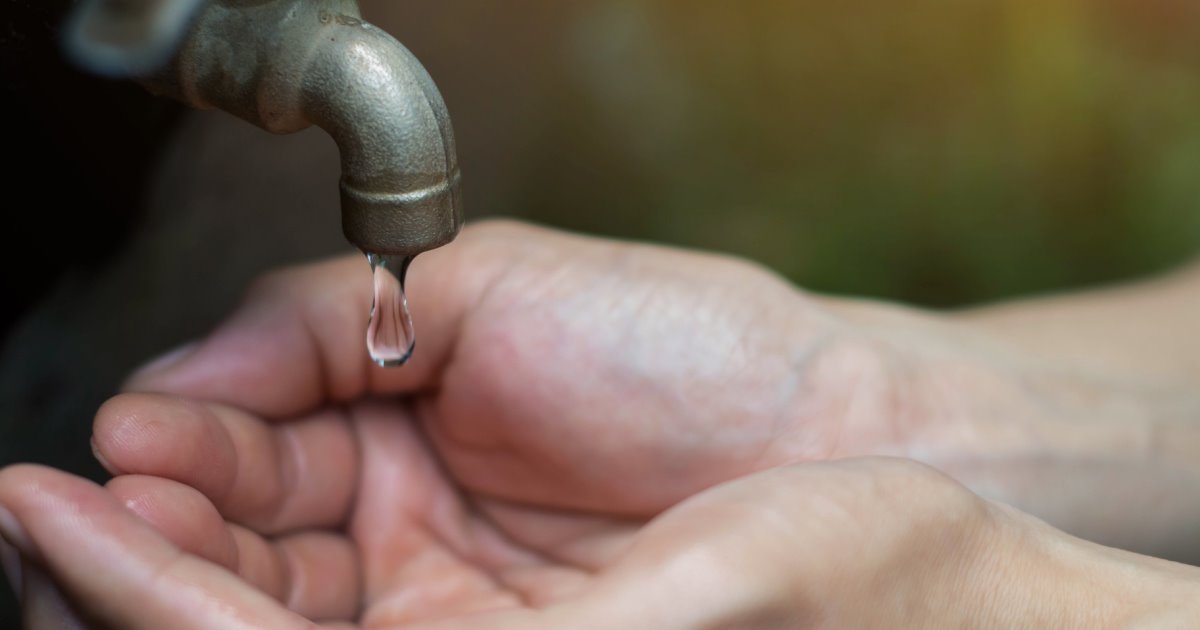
(932, 151)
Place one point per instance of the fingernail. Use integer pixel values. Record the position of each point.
(13, 532)
(163, 362)
(100, 457)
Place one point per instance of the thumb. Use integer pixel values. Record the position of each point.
(299, 338)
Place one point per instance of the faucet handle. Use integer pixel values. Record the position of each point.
(128, 38)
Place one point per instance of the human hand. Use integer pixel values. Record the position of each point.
(575, 372)
(856, 543)
(585, 374)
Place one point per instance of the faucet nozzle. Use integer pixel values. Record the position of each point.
(286, 64)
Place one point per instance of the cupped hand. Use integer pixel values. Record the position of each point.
(564, 391)
(568, 372)
(856, 543)
(583, 374)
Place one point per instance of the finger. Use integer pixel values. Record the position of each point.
(299, 337)
(314, 574)
(117, 569)
(181, 514)
(271, 479)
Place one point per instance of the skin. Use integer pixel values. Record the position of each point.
(560, 452)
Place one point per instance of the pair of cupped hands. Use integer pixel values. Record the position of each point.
(590, 435)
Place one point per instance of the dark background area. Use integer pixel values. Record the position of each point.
(78, 147)
(929, 151)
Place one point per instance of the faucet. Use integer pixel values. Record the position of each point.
(284, 65)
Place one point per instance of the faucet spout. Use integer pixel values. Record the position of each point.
(287, 64)
(400, 176)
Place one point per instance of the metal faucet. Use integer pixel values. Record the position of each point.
(287, 64)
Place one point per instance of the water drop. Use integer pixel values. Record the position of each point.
(390, 338)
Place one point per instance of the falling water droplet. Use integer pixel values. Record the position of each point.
(390, 338)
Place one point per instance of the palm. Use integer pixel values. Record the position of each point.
(430, 548)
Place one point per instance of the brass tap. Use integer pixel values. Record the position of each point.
(287, 64)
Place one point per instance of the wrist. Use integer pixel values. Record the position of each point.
(1041, 577)
(1063, 441)
(1142, 329)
